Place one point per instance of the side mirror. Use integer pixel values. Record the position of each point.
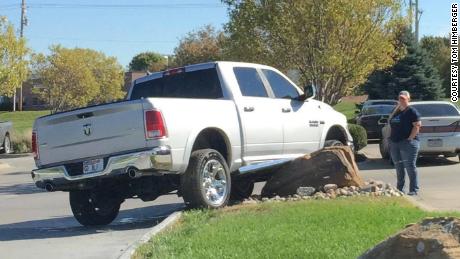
(309, 91)
(383, 121)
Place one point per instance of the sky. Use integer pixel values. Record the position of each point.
(155, 25)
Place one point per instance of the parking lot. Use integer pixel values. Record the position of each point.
(32, 221)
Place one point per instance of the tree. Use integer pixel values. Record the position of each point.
(438, 50)
(199, 46)
(77, 77)
(334, 44)
(13, 63)
(148, 61)
(414, 72)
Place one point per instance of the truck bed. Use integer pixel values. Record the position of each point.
(90, 132)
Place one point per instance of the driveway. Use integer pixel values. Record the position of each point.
(39, 223)
(439, 178)
(33, 222)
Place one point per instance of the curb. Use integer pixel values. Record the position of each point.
(167, 222)
(417, 202)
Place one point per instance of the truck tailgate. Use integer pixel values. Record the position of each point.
(90, 132)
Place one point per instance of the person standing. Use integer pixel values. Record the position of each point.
(404, 142)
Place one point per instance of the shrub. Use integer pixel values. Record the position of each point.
(359, 136)
(21, 141)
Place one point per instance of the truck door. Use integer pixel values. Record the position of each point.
(302, 122)
(260, 117)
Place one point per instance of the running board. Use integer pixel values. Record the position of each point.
(261, 167)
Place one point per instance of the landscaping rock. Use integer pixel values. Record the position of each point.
(329, 187)
(330, 165)
(431, 238)
(305, 191)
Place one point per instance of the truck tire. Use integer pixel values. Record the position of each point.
(6, 146)
(206, 183)
(241, 190)
(87, 213)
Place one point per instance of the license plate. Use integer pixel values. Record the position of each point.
(435, 142)
(93, 166)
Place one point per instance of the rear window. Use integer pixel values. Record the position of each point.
(200, 84)
(436, 110)
(378, 109)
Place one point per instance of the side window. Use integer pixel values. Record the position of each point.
(250, 82)
(281, 87)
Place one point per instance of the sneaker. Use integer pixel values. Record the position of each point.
(412, 193)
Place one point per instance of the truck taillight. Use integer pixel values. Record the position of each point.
(35, 145)
(154, 125)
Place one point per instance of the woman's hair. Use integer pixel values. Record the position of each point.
(403, 93)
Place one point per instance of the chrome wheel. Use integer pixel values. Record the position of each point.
(214, 182)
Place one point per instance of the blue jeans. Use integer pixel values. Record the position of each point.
(404, 155)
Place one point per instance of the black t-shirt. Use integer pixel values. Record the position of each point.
(401, 124)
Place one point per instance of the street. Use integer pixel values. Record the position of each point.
(40, 223)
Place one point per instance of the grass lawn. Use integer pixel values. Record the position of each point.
(347, 108)
(22, 121)
(341, 228)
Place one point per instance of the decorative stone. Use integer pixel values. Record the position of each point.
(305, 191)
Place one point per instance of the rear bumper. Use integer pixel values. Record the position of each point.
(157, 159)
(450, 145)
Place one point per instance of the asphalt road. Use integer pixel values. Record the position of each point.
(33, 222)
(439, 178)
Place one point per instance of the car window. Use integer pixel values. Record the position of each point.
(378, 109)
(281, 87)
(381, 103)
(250, 82)
(200, 84)
(436, 110)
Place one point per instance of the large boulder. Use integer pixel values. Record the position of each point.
(330, 165)
(432, 238)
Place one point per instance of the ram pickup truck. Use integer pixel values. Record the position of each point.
(194, 129)
(5, 139)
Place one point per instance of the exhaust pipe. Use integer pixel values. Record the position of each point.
(134, 173)
(49, 187)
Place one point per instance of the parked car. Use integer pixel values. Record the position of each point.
(5, 139)
(193, 129)
(372, 118)
(380, 102)
(440, 131)
(361, 106)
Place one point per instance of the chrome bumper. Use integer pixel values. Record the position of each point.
(158, 158)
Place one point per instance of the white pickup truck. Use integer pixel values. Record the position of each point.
(194, 129)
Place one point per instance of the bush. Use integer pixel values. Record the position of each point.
(21, 141)
(359, 136)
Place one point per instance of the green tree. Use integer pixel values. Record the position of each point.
(74, 78)
(438, 50)
(13, 63)
(199, 46)
(333, 44)
(414, 72)
(148, 61)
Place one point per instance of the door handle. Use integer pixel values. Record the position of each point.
(248, 109)
(286, 110)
